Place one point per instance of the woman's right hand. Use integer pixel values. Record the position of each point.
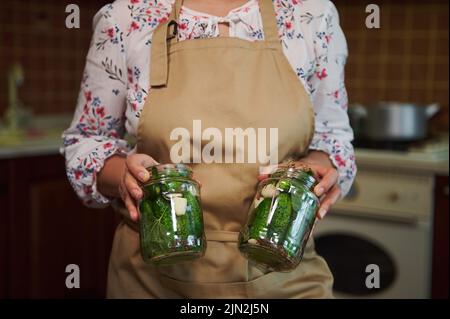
(135, 171)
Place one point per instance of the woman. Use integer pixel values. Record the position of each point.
(230, 64)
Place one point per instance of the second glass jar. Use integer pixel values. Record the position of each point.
(281, 219)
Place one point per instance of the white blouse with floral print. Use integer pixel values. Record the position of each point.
(116, 78)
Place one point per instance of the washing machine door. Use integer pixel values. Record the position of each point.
(371, 258)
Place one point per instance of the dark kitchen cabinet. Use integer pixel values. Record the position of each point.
(3, 228)
(441, 239)
(47, 229)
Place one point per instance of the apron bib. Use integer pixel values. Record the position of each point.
(222, 83)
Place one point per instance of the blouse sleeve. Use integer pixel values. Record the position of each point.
(333, 134)
(97, 129)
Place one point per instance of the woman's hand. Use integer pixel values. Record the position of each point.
(135, 171)
(327, 189)
(120, 177)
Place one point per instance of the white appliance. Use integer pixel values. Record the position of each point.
(402, 251)
(386, 220)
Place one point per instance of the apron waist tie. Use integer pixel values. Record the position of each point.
(221, 235)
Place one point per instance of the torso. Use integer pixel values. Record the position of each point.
(297, 34)
(231, 98)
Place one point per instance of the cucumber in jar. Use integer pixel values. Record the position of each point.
(193, 209)
(281, 217)
(183, 227)
(258, 223)
(145, 225)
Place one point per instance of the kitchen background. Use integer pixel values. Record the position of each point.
(406, 60)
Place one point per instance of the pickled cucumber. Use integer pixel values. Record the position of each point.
(296, 202)
(183, 226)
(195, 212)
(304, 208)
(145, 225)
(259, 219)
(281, 217)
(152, 191)
(154, 172)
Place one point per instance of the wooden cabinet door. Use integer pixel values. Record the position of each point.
(3, 227)
(51, 229)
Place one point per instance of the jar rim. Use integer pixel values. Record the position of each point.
(302, 173)
(163, 170)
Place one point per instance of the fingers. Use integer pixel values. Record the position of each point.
(129, 203)
(132, 186)
(137, 165)
(130, 191)
(330, 199)
(329, 179)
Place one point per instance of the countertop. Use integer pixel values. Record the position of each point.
(42, 136)
(38, 148)
(431, 159)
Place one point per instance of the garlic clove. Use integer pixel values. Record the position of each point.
(269, 191)
(252, 241)
(180, 205)
(170, 196)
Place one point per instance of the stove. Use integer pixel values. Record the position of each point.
(432, 148)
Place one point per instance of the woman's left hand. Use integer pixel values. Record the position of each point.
(327, 189)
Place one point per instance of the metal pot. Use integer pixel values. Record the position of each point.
(391, 121)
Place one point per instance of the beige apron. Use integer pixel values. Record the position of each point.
(226, 83)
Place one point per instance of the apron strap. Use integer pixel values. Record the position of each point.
(158, 57)
(269, 21)
(168, 30)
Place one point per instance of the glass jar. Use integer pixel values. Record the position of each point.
(281, 219)
(171, 223)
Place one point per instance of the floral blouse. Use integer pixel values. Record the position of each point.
(115, 83)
